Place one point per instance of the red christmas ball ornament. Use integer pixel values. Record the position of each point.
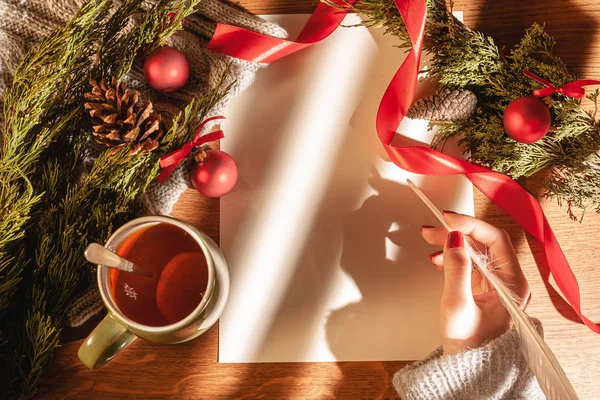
(527, 119)
(166, 69)
(215, 175)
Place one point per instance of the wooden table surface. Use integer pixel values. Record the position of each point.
(190, 371)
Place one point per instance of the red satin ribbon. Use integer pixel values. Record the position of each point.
(508, 195)
(173, 159)
(572, 89)
(252, 46)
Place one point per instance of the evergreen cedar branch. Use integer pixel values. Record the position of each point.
(466, 59)
(49, 210)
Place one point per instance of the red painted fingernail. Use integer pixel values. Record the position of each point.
(427, 227)
(435, 254)
(449, 212)
(455, 240)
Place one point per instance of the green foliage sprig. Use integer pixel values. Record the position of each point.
(465, 59)
(51, 205)
(34, 115)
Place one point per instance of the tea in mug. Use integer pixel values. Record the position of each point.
(179, 266)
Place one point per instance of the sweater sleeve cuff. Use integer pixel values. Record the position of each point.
(496, 370)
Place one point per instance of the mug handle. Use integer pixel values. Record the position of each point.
(104, 343)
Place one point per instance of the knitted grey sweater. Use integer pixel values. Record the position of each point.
(494, 371)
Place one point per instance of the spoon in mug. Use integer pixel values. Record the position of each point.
(100, 255)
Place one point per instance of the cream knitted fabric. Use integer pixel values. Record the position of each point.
(26, 22)
(494, 371)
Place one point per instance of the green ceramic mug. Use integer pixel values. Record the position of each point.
(117, 331)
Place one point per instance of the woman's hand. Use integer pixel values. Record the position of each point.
(471, 312)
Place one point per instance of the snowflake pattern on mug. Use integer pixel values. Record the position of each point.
(129, 291)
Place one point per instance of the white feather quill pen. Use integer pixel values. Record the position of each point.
(542, 362)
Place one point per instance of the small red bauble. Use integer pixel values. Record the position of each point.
(527, 119)
(216, 175)
(166, 69)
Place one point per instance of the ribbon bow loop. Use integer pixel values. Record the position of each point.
(170, 161)
(572, 89)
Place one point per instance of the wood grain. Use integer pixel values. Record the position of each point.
(190, 371)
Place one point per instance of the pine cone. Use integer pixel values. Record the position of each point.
(119, 119)
(448, 105)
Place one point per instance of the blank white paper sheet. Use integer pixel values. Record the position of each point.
(321, 233)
